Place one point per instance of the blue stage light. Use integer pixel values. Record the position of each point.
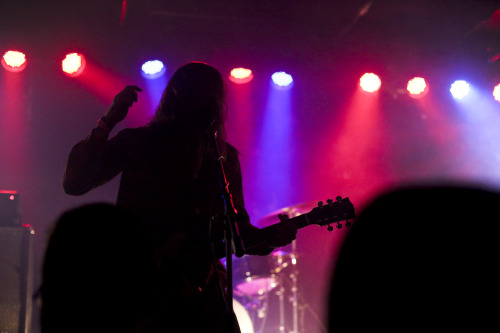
(459, 89)
(153, 69)
(282, 79)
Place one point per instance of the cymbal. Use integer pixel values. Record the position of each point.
(291, 211)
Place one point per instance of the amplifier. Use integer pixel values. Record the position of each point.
(16, 279)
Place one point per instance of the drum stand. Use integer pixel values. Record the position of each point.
(293, 299)
(258, 297)
(286, 274)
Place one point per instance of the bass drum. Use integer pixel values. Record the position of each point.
(244, 320)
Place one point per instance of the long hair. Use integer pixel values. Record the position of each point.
(196, 94)
(194, 102)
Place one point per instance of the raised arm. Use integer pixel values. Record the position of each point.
(96, 160)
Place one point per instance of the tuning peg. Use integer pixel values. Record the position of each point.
(338, 198)
(329, 228)
(339, 226)
(347, 223)
(283, 217)
(329, 201)
(320, 203)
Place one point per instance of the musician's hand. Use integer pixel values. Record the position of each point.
(121, 103)
(283, 234)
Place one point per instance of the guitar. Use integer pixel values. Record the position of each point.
(325, 214)
(331, 212)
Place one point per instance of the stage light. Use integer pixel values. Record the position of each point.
(241, 75)
(282, 79)
(370, 82)
(73, 64)
(14, 61)
(153, 69)
(496, 92)
(417, 87)
(459, 89)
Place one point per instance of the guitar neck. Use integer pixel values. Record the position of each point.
(325, 214)
(300, 221)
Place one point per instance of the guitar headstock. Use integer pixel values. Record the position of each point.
(333, 211)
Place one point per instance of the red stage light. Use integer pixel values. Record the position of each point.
(370, 82)
(14, 61)
(496, 92)
(241, 75)
(74, 64)
(417, 87)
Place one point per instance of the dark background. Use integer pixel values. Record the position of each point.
(328, 140)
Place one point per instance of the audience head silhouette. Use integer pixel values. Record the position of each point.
(419, 258)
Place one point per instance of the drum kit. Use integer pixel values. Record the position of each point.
(261, 280)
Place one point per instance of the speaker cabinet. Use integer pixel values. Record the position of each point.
(16, 279)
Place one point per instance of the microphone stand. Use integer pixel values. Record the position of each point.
(232, 237)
